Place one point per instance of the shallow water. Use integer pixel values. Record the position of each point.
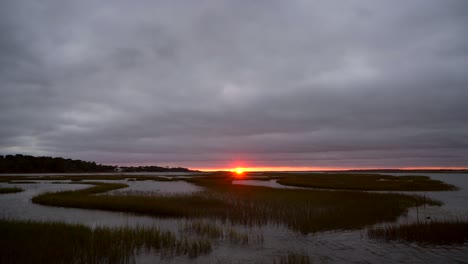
(325, 247)
(19, 206)
(266, 183)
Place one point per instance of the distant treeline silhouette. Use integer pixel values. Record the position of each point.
(154, 169)
(29, 164)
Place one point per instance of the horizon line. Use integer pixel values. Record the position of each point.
(288, 168)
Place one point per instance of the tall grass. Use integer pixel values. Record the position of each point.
(53, 242)
(369, 182)
(431, 232)
(304, 211)
(293, 258)
(212, 230)
(10, 190)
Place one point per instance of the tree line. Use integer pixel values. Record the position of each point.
(154, 169)
(30, 164)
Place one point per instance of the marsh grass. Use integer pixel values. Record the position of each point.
(435, 232)
(210, 229)
(10, 190)
(203, 228)
(310, 210)
(367, 182)
(53, 242)
(304, 211)
(293, 258)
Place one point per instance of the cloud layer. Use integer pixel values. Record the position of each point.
(217, 83)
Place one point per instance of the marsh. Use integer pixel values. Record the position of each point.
(212, 218)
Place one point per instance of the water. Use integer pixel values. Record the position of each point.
(266, 183)
(324, 247)
(19, 206)
(455, 202)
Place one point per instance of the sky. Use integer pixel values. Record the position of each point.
(250, 83)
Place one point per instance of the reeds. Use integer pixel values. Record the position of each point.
(367, 182)
(53, 242)
(210, 229)
(10, 190)
(436, 232)
(293, 258)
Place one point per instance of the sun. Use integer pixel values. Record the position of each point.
(239, 171)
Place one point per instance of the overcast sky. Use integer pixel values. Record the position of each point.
(227, 83)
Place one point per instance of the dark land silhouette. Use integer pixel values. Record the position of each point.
(30, 164)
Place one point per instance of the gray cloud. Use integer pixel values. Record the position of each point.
(209, 83)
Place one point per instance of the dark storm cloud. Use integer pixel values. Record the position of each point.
(206, 83)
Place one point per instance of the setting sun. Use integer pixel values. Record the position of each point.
(239, 170)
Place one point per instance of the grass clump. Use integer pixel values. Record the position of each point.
(204, 228)
(207, 228)
(293, 258)
(365, 182)
(434, 232)
(53, 242)
(10, 190)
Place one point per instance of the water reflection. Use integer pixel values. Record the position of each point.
(266, 183)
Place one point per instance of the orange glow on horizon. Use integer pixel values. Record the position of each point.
(286, 168)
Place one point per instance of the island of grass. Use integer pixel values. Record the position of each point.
(300, 210)
(363, 182)
(10, 190)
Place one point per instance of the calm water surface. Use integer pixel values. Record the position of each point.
(325, 247)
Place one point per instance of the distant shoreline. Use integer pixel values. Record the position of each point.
(410, 171)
